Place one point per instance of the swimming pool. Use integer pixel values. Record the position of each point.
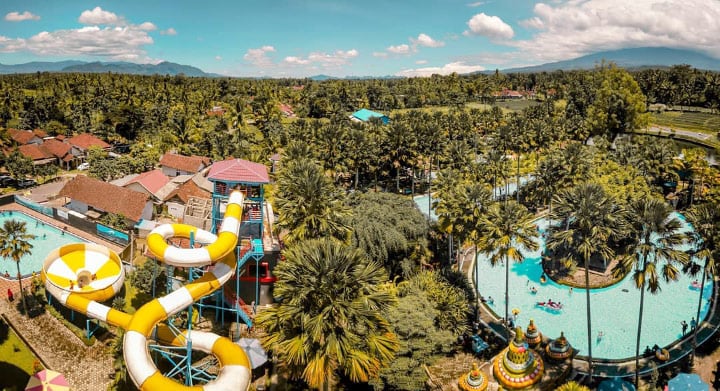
(47, 238)
(422, 203)
(614, 309)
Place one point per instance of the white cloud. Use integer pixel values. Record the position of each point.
(259, 56)
(292, 60)
(421, 62)
(576, 28)
(533, 23)
(489, 26)
(147, 26)
(425, 40)
(170, 31)
(380, 54)
(476, 4)
(218, 58)
(315, 60)
(99, 16)
(399, 49)
(19, 17)
(457, 67)
(115, 43)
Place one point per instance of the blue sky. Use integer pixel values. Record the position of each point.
(298, 38)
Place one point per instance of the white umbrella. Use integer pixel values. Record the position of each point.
(254, 351)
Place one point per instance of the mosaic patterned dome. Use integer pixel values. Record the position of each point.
(559, 349)
(518, 366)
(532, 335)
(473, 380)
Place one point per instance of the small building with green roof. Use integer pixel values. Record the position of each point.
(364, 115)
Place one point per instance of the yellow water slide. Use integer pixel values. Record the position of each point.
(82, 275)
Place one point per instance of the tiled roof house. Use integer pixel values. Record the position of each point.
(149, 182)
(24, 137)
(83, 141)
(173, 164)
(91, 194)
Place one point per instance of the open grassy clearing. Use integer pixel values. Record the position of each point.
(699, 122)
(17, 362)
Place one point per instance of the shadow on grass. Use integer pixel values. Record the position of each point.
(4, 331)
(12, 378)
(140, 299)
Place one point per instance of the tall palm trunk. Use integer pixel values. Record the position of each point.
(477, 281)
(517, 180)
(589, 322)
(507, 299)
(637, 342)
(697, 317)
(22, 293)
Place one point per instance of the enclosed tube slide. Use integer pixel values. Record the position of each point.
(235, 372)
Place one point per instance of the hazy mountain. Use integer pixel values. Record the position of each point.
(630, 58)
(37, 66)
(163, 68)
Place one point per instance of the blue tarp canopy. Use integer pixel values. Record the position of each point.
(687, 382)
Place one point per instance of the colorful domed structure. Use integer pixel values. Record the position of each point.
(532, 335)
(559, 349)
(518, 366)
(474, 380)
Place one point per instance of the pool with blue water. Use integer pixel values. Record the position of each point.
(47, 238)
(614, 309)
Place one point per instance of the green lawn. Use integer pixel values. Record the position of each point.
(16, 360)
(695, 121)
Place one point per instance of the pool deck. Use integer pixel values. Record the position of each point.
(679, 350)
(86, 368)
(12, 284)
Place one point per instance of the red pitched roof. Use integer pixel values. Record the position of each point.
(152, 180)
(56, 148)
(184, 163)
(187, 190)
(238, 170)
(40, 133)
(87, 140)
(34, 152)
(21, 137)
(106, 197)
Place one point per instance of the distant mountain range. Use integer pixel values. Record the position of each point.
(628, 58)
(163, 68)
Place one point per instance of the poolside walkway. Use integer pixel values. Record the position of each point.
(707, 362)
(86, 368)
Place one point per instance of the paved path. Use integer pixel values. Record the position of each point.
(688, 133)
(86, 368)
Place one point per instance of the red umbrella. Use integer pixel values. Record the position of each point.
(47, 380)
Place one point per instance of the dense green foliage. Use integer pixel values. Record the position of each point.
(331, 318)
(390, 230)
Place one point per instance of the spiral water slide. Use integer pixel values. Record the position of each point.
(82, 275)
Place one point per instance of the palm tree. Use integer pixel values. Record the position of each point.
(591, 220)
(508, 230)
(655, 235)
(572, 386)
(704, 219)
(309, 204)
(331, 314)
(14, 244)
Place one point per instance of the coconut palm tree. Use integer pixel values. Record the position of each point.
(14, 244)
(655, 236)
(591, 220)
(508, 230)
(704, 219)
(330, 318)
(572, 386)
(309, 204)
